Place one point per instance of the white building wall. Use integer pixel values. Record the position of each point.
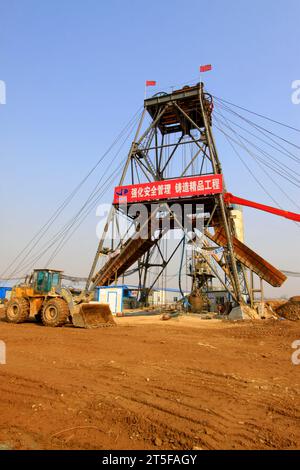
(113, 296)
(162, 297)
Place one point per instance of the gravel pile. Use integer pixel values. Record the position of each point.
(290, 310)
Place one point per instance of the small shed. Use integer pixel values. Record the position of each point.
(113, 296)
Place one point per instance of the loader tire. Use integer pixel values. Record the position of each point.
(17, 310)
(55, 313)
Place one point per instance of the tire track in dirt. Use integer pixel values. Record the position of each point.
(126, 387)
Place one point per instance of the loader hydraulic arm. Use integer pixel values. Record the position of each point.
(231, 199)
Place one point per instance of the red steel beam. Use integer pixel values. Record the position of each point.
(231, 199)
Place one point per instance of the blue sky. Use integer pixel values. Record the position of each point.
(75, 73)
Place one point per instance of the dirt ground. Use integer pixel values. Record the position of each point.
(181, 384)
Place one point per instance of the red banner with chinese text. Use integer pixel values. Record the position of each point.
(169, 189)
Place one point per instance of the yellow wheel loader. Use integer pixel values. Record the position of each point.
(43, 297)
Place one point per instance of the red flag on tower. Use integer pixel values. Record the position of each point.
(205, 68)
(150, 82)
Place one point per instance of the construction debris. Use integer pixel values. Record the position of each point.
(169, 315)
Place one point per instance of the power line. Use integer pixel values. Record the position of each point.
(258, 127)
(227, 120)
(66, 238)
(47, 246)
(280, 148)
(56, 237)
(274, 160)
(257, 114)
(44, 229)
(290, 273)
(265, 132)
(269, 176)
(256, 179)
(255, 157)
(92, 200)
(249, 169)
(89, 204)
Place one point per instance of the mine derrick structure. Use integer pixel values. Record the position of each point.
(181, 123)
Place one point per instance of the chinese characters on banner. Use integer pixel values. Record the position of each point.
(169, 189)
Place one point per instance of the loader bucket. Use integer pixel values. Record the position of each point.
(92, 315)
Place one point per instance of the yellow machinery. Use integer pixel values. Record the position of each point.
(43, 297)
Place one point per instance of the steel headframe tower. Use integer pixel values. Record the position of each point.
(179, 122)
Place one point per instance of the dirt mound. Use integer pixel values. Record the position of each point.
(296, 298)
(290, 310)
(150, 384)
(275, 303)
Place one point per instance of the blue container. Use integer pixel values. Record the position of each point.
(3, 291)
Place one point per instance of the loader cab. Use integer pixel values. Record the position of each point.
(45, 279)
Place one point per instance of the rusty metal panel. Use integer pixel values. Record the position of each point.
(129, 254)
(251, 260)
(188, 99)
